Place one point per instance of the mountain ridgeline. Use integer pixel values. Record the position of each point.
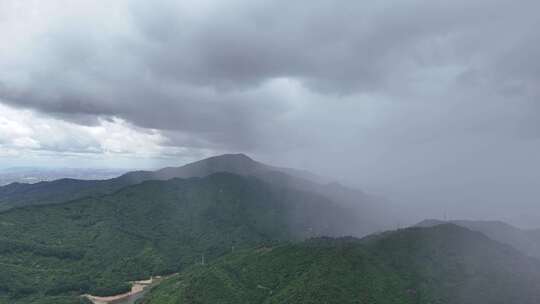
(526, 241)
(369, 211)
(20, 194)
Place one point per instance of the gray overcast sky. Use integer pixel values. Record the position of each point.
(434, 104)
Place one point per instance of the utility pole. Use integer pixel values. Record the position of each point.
(202, 259)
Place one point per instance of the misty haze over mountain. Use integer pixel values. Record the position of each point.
(432, 105)
(267, 233)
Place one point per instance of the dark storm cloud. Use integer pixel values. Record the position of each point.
(407, 91)
(204, 71)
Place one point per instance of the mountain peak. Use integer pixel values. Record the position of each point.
(430, 223)
(231, 156)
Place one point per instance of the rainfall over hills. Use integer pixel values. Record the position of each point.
(263, 233)
(252, 151)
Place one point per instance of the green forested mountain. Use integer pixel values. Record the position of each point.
(20, 194)
(71, 237)
(372, 214)
(443, 264)
(97, 244)
(62, 190)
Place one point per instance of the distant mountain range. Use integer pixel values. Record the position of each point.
(32, 175)
(371, 212)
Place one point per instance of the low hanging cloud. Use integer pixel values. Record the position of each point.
(207, 67)
(387, 94)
